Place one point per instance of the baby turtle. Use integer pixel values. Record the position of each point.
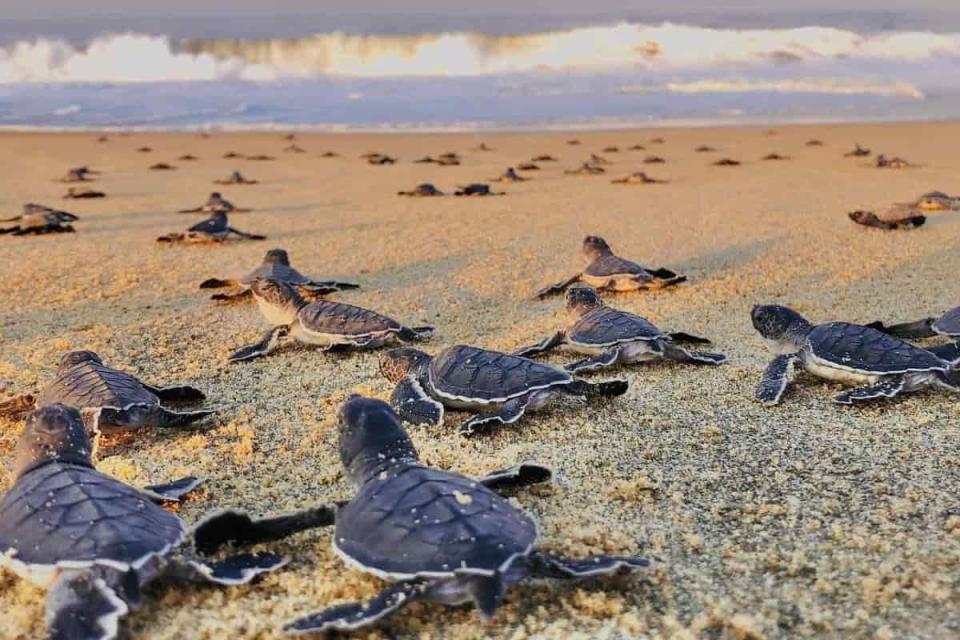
(331, 325)
(657, 141)
(775, 156)
(294, 148)
(585, 169)
(885, 366)
(654, 160)
(329, 154)
(482, 147)
(379, 159)
(637, 147)
(528, 166)
(477, 189)
(114, 400)
(937, 201)
(597, 160)
(611, 149)
(612, 337)
(231, 155)
(216, 228)
(883, 162)
(907, 219)
(236, 178)
(704, 149)
(498, 387)
(162, 166)
(726, 162)
(188, 157)
(91, 540)
(276, 266)
(38, 219)
(609, 272)
(813, 142)
(80, 174)
(858, 152)
(573, 142)
(947, 325)
(144, 150)
(260, 157)
(543, 158)
(437, 536)
(215, 202)
(510, 176)
(425, 190)
(638, 177)
(83, 193)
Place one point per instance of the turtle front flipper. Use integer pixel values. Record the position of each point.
(173, 491)
(607, 358)
(547, 344)
(548, 565)
(234, 570)
(354, 615)
(17, 405)
(82, 606)
(519, 475)
(216, 283)
(237, 527)
(886, 387)
(907, 330)
(176, 393)
(776, 377)
(679, 354)
(268, 344)
(559, 287)
(509, 412)
(413, 404)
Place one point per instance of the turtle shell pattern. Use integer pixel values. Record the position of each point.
(472, 373)
(949, 323)
(67, 512)
(611, 265)
(864, 349)
(420, 520)
(89, 384)
(275, 271)
(216, 224)
(337, 318)
(606, 326)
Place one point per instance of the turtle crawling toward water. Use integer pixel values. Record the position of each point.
(38, 219)
(236, 178)
(610, 337)
(937, 201)
(110, 399)
(883, 162)
(883, 366)
(498, 387)
(214, 229)
(898, 217)
(437, 536)
(276, 266)
(477, 189)
(609, 272)
(726, 162)
(80, 174)
(638, 177)
(586, 169)
(93, 541)
(858, 152)
(510, 176)
(162, 166)
(215, 202)
(331, 325)
(424, 190)
(83, 193)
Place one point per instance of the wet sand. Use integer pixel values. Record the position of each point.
(805, 520)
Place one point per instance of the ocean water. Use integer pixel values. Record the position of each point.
(428, 72)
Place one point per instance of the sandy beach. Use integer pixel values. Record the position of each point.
(804, 520)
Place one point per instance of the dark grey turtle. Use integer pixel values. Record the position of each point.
(80, 174)
(331, 325)
(883, 365)
(235, 178)
(260, 157)
(813, 142)
(775, 156)
(704, 148)
(425, 190)
(543, 158)
(93, 541)
(586, 169)
(83, 193)
(858, 152)
(476, 189)
(947, 325)
(893, 219)
(610, 337)
(276, 266)
(528, 166)
(188, 157)
(654, 160)
(726, 162)
(510, 176)
(437, 536)
(937, 201)
(215, 203)
(162, 166)
(216, 228)
(883, 162)
(608, 272)
(498, 387)
(379, 159)
(112, 400)
(638, 177)
(611, 149)
(38, 219)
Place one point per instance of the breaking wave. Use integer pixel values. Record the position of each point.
(827, 87)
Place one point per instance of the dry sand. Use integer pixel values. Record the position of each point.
(804, 520)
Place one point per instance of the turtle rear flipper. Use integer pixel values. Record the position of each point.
(548, 565)
(237, 527)
(413, 404)
(884, 388)
(354, 615)
(17, 405)
(83, 607)
(679, 354)
(239, 569)
(607, 388)
(519, 475)
(908, 330)
(173, 491)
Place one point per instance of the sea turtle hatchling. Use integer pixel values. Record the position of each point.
(476, 189)
(586, 169)
(610, 337)
(425, 190)
(510, 176)
(937, 201)
(857, 152)
(609, 272)
(82, 193)
(80, 174)
(214, 229)
(92, 541)
(38, 219)
(899, 216)
(498, 387)
(638, 177)
(852, 354)
(332, 325)
(437, 536)
(235, 178)
(215, 202)
(276, 266)
(110, 399)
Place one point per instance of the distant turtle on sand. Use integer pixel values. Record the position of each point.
(858, 152)
(216, 228)
(586, 169)
(510, 176)
(597, 160)
(230, 155)
(424, 190)
(331, 325)
(499, 388)
(445, 160)
(188, 157)
(883, 162)
(813, 142)
(95, 542)
(329, 154)
(611, 149)
(947, 325)
(543, 158)
(235, 178)
(294, 148)
(276, 266)
(937, 201)
(726, 162)
(260, 157)
(476, 189)
(609, 272)
(637, 147)
(657, 141)
(379, 158)
(110, 399)
(38, 219)
(215, 202)
(482, 147)
(144, 150)
(638, 177)
(162, 166)
(883, 366)
(704, 149)
(80, 174)
(436, 536)
(528, 166)
(653, 160)
(83, 193)
(775, 156)
(610, 337)
(894, 218)
(573, 142)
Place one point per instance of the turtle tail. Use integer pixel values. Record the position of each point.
(609, 388)
(415, 334)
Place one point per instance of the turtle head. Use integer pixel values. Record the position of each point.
(52, 432)
(395, 364)
(73, 358)
(371, 438)
(279, 302)
(780, 324)
(215, 196)
(277, 256)
(582, 299)
(595, 247)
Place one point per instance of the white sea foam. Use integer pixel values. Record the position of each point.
(828, 87)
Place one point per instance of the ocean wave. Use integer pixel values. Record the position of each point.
(665, 47)
(827, 87)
